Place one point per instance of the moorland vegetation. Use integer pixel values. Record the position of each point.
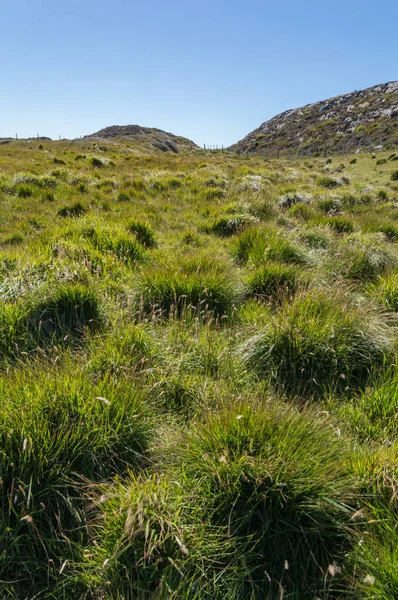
(198, 388)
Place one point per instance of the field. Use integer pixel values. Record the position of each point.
(198, 389)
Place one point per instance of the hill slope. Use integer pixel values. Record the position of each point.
(366, 118)
(156, 138)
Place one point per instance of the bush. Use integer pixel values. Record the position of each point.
(143, 233)
(394, 176)
(317, 344)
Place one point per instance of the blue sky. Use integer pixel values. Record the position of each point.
(211, 70)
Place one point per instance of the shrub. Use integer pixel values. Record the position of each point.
(394, 176)
(317, 344)
(75, 210)
(143, 233)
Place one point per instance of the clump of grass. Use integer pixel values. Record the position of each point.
(274, 481)
(394, 176)
(198, 288)
(315, 239)
(390, 231)
(318, 344)
(330, 206)
(372, 416)
(214, 193)
(300, 211)
(67, 312)
(361, 258)
(143, 233)
(274, 282)
(328, 182)
(24, 191)
(58, 433)
(340, 225)
(385, 291)
(123, 353)
(74, 210)
(227, 226)
(106, 239)
(292, 198)
(96, 162)
(13, 334)
(251, 245)
(259, 245)
(282, 250)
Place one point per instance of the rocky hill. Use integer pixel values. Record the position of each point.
(150, 137)
(365, 119)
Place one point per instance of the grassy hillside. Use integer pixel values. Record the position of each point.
(198, 387)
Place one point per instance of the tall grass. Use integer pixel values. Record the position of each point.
(316, 344)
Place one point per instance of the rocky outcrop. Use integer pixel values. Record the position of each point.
(365, 119)
(155, 138)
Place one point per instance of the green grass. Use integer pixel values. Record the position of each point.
(197, 375)
(315, 344)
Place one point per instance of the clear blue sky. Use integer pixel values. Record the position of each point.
(210, 70)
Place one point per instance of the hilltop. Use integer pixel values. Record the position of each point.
(150, 137)
(364, 119)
